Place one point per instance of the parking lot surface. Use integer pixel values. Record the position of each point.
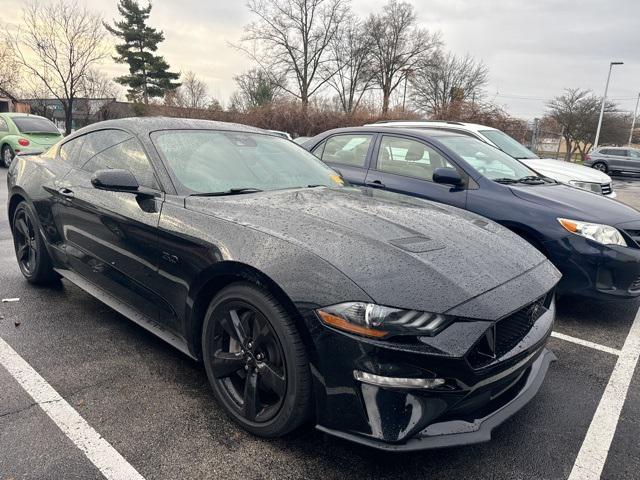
(154, 408)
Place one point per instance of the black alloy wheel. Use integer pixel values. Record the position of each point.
(24, 236)
(33, 258)
(255, 361)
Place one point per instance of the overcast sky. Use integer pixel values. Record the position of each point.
(533, 48)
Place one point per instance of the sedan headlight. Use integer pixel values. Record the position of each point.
(589, 186)
(377, 321)
(604, 234)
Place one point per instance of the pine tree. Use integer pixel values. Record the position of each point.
(149, 74)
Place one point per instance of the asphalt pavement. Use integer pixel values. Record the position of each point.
(154, 408)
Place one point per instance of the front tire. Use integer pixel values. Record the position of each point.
(256, 361)
(33, 259)
(601, 166)
(6, 155)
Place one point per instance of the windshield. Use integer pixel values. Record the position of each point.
(489, 161)
(34, 125)
(508, 145)
(207, 161)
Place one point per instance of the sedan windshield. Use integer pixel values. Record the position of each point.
(508, 145)
(228, 163)
(489, 161)
(34, 125)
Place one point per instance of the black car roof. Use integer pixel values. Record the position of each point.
(145, 125)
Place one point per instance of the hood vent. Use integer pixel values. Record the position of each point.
(417, 244)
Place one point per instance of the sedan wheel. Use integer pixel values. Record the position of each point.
(7, 156)
(601, 167)
(255, 361)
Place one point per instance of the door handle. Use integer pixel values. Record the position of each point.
(65, 192)
(375, 184)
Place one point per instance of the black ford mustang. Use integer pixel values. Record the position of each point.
(385, 319)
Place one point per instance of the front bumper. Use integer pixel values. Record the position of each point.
(479, 393)
(593, 270)
(465, 432)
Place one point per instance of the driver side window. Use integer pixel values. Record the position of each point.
(127, 155)
(403, 156)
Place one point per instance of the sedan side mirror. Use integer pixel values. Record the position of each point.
(117, 180)
(447, 176)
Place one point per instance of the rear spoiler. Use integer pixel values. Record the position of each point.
(27, 154)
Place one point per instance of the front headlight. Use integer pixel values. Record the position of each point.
(589, 186)
(377, 321)
(603, 234)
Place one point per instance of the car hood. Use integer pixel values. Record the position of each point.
(565, 171)
(576, 204)
(402, 251)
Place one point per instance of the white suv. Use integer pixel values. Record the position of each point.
(564, 172)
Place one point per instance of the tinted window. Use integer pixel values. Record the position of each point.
(634, 153)
(347, 150)
(34, 125)
(411, 158)
(69, 150)
(616, 153)
(3, 125)
(487, 160)
(211, 161)
(127, 155)
(96, 142)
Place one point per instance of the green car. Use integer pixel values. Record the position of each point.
(25, 133)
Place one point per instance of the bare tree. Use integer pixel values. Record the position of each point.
(193, 92)
(444, 80)
(256, 88)
(349, 73)
(290, 40)
(9, 69)
(57, 44)
(398, 44)
(577, 112)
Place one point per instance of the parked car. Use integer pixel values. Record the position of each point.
(614, 159)
(593, 240)
(305, 299)
(571, 174)
(24, 133)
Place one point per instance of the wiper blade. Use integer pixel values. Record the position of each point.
(231, 191)
(505, 180)
(531, 179)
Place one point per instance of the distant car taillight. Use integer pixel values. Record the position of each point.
(587, 157)
(24, 142)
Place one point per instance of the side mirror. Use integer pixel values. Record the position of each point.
(447, 176)
(116, 180)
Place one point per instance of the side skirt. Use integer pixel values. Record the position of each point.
(129, 312)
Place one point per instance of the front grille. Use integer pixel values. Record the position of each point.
(606, 188)
(635, 236)
(507, 333)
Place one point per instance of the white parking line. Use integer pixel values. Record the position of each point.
(110, 463)
(595, 448)
(586, 343)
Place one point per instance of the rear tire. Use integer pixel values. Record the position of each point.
(601, 166)
(256, 361)
(6, 156)
(32, 255)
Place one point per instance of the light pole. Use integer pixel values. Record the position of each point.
(406, 72)
(604, 99)
(633, 122)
